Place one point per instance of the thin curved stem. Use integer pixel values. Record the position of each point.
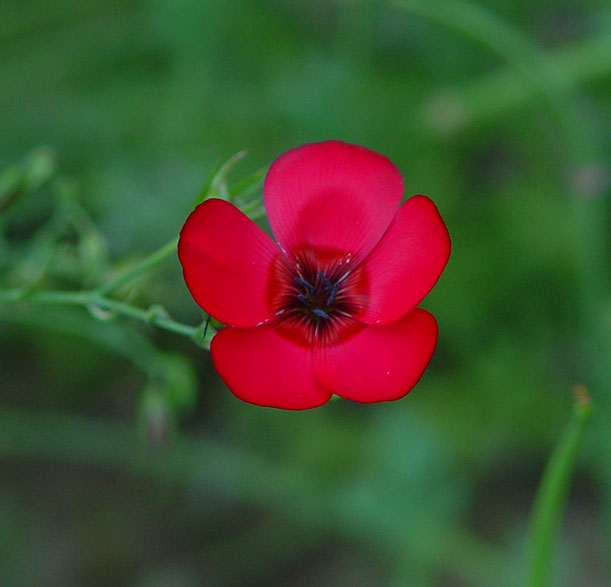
(94, 301)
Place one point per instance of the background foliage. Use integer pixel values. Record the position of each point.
(122, 456)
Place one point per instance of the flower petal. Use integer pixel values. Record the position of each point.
(379, 363)
(407, 262)
(332, 195)
(227, 260)
(263, 367)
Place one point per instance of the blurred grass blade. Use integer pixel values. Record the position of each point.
(494, 94)
(552, 493)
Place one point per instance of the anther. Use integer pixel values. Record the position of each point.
(325, 279)
(304, 283)
(320, 313)
(332, 295)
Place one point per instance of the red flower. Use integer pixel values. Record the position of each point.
(332, 308)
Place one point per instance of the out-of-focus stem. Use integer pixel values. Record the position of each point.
(495, 93)
(552, 493)
(499, 36)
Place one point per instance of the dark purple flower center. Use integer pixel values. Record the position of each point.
(316, 294)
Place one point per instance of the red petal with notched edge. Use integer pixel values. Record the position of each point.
(227, 259)
(407, 262)
(379, 363)
(332, 195)
(262, 367)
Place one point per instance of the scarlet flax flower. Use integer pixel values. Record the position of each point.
(331, 308)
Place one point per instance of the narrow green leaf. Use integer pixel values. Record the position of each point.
(552, 493)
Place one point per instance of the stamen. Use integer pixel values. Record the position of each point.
(304, 300)
(305, 284)
(325, 279)
(332, 295)
(320, 313)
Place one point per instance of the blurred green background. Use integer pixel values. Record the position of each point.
(113, 474)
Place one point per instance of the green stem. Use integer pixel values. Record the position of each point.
(93, 300)
(552, 493)
(144, 265)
